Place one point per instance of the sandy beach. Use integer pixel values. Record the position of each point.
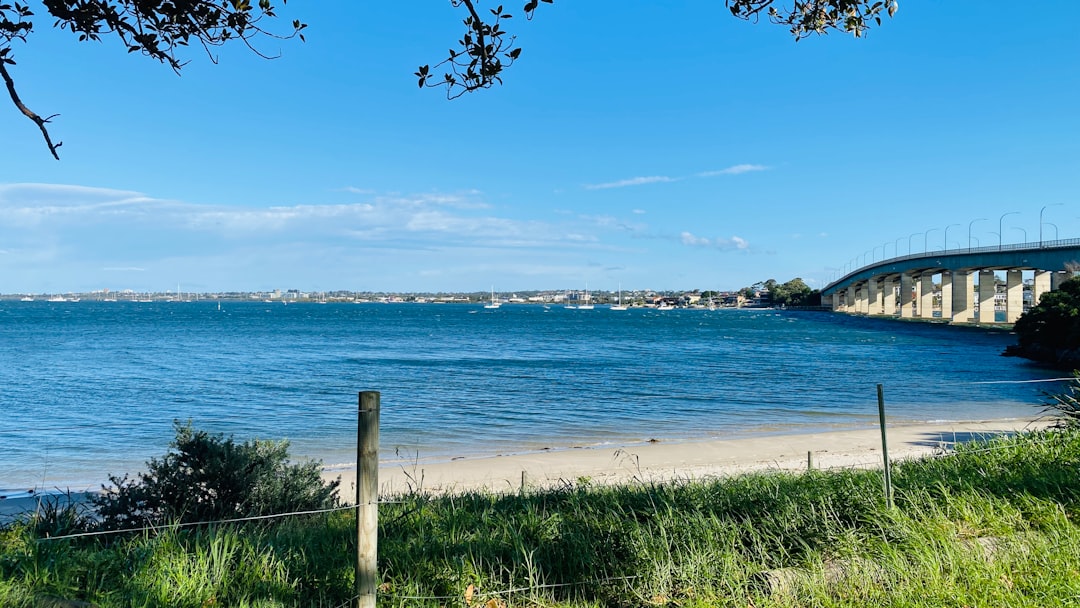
(660, 461)
(691, 460)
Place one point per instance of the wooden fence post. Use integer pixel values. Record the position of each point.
(367, 499)
(884, 446)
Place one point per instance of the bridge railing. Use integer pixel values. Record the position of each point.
(1040, 246)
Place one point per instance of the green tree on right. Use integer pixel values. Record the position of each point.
(793, 293)
(1050, 331)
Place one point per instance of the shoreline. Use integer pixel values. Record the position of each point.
(649, 462)
(660, 461)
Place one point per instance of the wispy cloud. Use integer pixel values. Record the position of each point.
(734, 170)
(633, 181)
(661, 179)
(724, 244)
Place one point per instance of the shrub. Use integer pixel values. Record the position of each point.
(1065, 406)
(206, 477)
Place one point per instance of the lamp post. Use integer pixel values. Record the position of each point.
(1021, 230)
(1001, 225)
(926, 235)
(896, 246)
(947, 235)
(978, 219)
(1055, 231)
(909, 242)
(1041, 221)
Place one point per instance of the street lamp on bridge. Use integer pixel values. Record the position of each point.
(947, 235)
(1041, 222)
(926, 235)
(909, 242)
(978, 219)
(1001, 225)
(1021, 230)
(1055, 231)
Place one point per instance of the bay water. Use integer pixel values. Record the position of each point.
(89, 389)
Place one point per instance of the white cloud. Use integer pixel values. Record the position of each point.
(734, 170)
(633, 181)
(735, 242)
(695, 241)
(638, 212)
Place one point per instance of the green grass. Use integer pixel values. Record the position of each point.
(993, 525)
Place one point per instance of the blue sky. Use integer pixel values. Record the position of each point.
(652, 145)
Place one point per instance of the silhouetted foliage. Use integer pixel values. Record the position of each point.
(208, 477)
(157, 28)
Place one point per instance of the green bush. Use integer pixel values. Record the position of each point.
(207, 477)
(1050, 331)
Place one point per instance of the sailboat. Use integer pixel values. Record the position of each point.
(619, 306)
(494, 303)
(569, 305)
(588, 303)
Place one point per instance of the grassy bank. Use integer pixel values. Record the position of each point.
(993, 525)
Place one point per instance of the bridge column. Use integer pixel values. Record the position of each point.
(864, 303)
(888, 299)
(836, 305)
(906, 299)
(850, 306)
(946, 295)
(963, 296)
(1040, 285)
(873, 296)
(1014, 295)
(987, 291)
(926, 297)
(1056, 278)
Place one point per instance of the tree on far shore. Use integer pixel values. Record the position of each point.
(159, 28)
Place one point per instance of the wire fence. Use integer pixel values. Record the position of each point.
(944, 449)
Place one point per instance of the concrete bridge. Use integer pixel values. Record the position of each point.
(963, 281)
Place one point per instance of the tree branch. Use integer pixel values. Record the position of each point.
(39, 121)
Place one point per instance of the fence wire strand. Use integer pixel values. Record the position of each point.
(197, 523)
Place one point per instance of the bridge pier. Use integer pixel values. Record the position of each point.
(850, 302)
(888, 300)
(1040, 285)
(926, 296)
(963, 302)
(987, 291)
(873, 297)
(1014, 295)
(906, 296)
(946, 296)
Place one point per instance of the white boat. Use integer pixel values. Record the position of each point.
(619, 306)
(588, 303)
(57, 299)
(26, 299)
(494, 303)
(569, 306)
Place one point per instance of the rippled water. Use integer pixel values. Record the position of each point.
(92, 388)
